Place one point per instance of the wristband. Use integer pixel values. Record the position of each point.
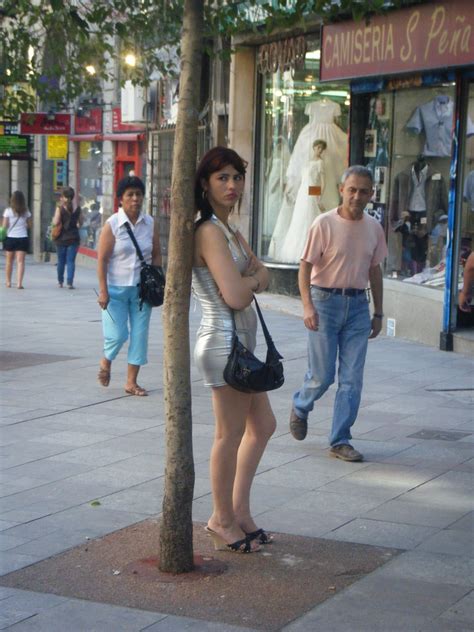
(377, 316)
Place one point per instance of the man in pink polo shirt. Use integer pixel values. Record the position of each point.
(342, 255)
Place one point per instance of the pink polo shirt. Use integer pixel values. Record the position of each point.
(342, 250)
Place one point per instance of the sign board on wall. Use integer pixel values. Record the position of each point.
(43, 123)
(56, 148)
(89, 123)
(85, 150)
(13, 146)
(427, 36)
(118, 126)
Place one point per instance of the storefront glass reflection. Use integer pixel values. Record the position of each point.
(90, 187)
(304, 151)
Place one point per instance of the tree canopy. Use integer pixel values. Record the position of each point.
(57, 50)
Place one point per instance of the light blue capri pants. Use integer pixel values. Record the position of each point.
(124, 307)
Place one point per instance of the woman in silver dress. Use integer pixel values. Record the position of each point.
(226, 274)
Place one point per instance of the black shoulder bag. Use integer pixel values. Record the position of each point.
(152, 278)
(248, 374)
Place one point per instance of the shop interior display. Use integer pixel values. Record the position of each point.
(418, 213)
(275, 178)
(322, 125)
(435, 119)
(307, 206)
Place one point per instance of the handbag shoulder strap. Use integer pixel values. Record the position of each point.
(12, 227)
(135, 243)
(266, 333)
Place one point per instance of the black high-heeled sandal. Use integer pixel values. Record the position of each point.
(261, 536)
(239, 546)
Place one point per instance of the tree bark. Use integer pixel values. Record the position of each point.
(176, 532)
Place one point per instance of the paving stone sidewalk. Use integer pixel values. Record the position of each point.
(65, 441)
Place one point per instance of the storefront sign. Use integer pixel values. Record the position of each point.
(85, 150)
(118, 126)
(424, 37)
(13, 146)
(43, 123)
(88, 123)
(282, 55)
(56, 148)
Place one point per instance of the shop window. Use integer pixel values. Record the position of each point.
(406, 139)
(304, 146)
(90, 191)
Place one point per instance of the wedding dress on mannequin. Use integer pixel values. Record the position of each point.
(307, 208)
(321, 125)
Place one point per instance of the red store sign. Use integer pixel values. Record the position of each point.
(43, 123)
(438, 35)
(89, 123)
(118, 126)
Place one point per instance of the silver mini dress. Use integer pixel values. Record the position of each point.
(215, 334)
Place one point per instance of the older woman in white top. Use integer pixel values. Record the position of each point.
(118, 272)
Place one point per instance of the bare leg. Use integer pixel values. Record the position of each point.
(259, 427)
(105, 367)
(20, 267)
(9, 268)
(131, 386)
(230, 410)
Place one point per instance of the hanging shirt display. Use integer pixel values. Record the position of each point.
(417, 201)
(435, 119)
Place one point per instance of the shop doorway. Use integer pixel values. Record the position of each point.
(127, 162)
(465, 230)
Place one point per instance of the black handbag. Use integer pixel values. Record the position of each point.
(152, 278)
(248, 374)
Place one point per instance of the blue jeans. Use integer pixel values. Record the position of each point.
(67, 256)
(124, 308)
(344, 328)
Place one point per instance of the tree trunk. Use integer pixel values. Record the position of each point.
(176, 532)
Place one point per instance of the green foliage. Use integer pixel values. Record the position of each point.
(45, 45)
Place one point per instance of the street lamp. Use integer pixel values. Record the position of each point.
(131, 60)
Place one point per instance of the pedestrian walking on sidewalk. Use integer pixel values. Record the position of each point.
(226, 274)
(342, 255)
(118, 271)
(69, 219)
(17, 222)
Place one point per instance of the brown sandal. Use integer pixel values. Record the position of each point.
(103, 376)
(137, 390)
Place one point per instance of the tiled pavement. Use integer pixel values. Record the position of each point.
(65, 441)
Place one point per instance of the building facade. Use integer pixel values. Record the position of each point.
(394, 94)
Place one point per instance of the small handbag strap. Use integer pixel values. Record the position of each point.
(12, 227)
(135, 243)
(266, 333)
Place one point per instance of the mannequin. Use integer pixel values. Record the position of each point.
(419, 199)
(321, 125)
(274, 183)
(307, 206)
